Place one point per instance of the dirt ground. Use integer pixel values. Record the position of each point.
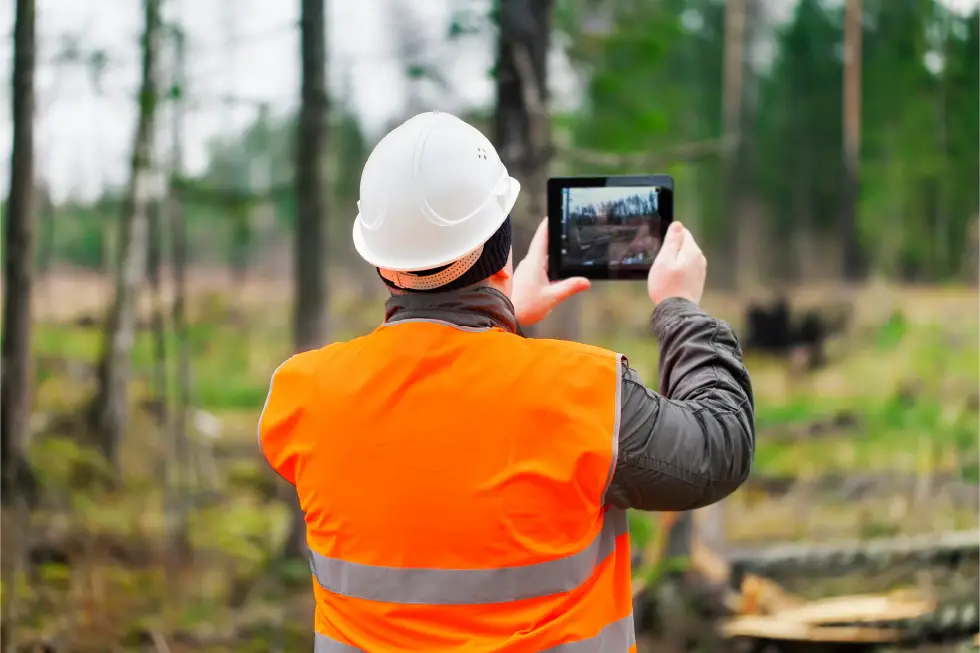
(67, 294)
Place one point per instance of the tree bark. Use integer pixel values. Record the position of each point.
(180, 463)
(18, 486)
(732, 102)
(310, 311)
(522, 128)
(852, 258)
(310, 308)
(154, 273)
(110, 407)
(17, 371)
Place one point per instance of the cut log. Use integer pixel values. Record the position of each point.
(943, 549)
(776, 628)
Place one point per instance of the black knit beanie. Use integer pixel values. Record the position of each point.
(496, 251)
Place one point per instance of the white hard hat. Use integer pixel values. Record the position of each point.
(432, 191)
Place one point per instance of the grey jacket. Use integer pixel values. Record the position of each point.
(686, 448)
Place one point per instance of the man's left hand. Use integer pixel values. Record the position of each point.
(533, 294)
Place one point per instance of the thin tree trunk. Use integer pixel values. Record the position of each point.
(15, 389)
(310, 310)
(180, 462)
(522, 128)
(851, 255)
(942, 263)
(733, 67)
(241, 237)
(170, 464)
(109, 410)
(155, 254)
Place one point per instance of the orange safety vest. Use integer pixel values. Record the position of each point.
(453, 483)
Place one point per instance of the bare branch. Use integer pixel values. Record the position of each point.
(539, 126)
(683, 153)
(159, 642)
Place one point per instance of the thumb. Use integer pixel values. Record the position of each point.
(562, 290)
(538, 249)
(674, 238)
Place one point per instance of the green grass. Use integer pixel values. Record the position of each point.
(911, 384)
(230, 365)
(936, 364)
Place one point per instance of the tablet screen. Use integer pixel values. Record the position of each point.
(610, 226)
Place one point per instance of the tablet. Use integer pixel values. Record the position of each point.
(607, 227)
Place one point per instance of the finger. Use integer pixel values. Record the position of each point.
(675, 236)
(673, 240)
(562, 290)
(539, 243)
(689, 248)
(689, 240)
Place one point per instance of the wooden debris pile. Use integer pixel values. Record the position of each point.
(760, 613)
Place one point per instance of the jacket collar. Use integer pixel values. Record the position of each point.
(480, 307)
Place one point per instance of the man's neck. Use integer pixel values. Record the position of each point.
(479, 307)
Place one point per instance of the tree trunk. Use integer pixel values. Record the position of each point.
(18, 485)
(17, 371)
(109, 410)
(178, 446)
(726, 275)
(851, 255)
(154, 273)
(310, 308)
(171, 462)
(522, 127)
(310, 312)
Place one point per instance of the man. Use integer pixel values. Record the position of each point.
(464, 487)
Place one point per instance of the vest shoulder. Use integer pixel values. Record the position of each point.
(304, 364)
(575, 349)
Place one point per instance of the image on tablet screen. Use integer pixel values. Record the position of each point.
(612, 227)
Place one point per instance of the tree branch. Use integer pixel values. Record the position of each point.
(683, 153)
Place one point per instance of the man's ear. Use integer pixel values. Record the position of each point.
(503, 274)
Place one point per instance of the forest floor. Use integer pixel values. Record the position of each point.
(880, 441)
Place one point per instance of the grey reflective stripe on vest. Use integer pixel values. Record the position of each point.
(469, 586)
(617, 421)
(616, 637)
(323, 644)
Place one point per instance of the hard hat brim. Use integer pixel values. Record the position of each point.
(409, 261)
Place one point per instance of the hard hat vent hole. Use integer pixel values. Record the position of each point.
(481, 153)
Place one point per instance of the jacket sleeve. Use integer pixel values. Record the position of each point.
(284, 407)
(692, 445)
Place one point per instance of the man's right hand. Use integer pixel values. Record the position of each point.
(679, 269)
(532, 293)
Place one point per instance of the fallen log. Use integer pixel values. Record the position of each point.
(863, 619)
(775, 628)
(855, 486)
(947, 549)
